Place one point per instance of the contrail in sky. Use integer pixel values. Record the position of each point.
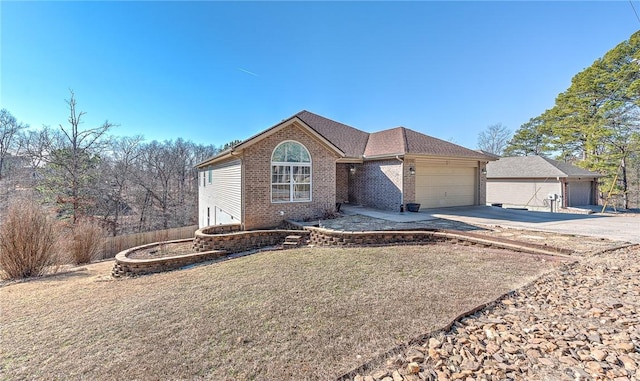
(248, 72)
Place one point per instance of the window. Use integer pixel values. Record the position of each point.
(290, 173)
(204, 178)
(210, 174)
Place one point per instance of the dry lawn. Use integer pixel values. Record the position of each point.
(305, 314)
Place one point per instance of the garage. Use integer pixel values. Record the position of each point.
(579, 193)
(451, 184)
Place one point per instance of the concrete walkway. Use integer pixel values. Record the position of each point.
(352, 210)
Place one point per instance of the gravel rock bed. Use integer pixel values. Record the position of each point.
(580, 322)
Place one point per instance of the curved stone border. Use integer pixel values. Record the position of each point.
(213, 242)
(126, 266)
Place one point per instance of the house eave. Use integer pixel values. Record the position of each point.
(448, 157)
(218, 157)
(349, 160)
(520, 177)
(383, 156)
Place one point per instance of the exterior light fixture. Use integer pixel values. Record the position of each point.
(412, 170)
(483, 171)
(352, 169)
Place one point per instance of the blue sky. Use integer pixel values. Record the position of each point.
(212, 72)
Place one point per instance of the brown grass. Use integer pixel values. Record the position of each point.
(305, 314)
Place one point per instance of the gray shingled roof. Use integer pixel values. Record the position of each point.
(356, 143)
(534, 167)
(418, 143)
(394, 141)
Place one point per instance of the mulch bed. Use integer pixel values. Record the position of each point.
(163, 251)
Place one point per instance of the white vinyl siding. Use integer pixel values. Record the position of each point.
(445, 186)
(220, 201)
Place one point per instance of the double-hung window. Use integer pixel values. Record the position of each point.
(290, 173)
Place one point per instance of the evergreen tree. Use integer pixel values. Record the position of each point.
(532, 138)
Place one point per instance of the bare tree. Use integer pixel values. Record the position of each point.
(9, 131)
(116, 179)
(494, 139)
(70, 155)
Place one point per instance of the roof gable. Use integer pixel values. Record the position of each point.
(387, 142)
(403, 141)
(535, 167)
(292, 121)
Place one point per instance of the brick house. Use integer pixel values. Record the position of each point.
(303, 166)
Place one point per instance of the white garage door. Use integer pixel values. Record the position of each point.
(438, 187)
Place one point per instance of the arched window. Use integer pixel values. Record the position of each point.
(290, 173)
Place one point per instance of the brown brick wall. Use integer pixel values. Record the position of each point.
(342, 182)
(259, 211)
(409, 182)
(377, 184)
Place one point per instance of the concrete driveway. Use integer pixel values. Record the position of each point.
(614, 227)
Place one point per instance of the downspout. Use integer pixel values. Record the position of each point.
(565, 196)
(233, 153)
(401, 182)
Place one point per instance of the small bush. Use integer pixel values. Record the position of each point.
(86, 243)
(28, 242)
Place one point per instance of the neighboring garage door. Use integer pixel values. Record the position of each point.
(579, 193)
(443, 186)
(227, 194)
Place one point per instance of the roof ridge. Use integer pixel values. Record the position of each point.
(405, 145)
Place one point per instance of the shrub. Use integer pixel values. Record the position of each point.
(28, 242)
(86, 243)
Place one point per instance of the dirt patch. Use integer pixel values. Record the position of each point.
(581, 245)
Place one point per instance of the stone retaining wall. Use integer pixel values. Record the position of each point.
(239, 241)
(218, 241)
(326, 237)
(126, 266)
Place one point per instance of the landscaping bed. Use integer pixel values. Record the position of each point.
(163, 251)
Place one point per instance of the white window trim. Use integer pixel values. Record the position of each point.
(291, 183)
